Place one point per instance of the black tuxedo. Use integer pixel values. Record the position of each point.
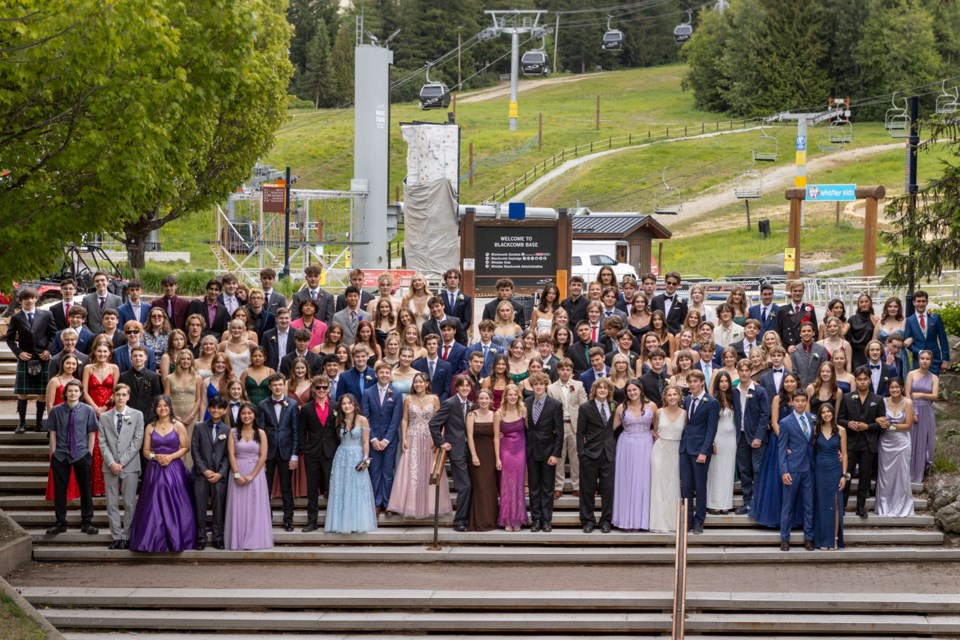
(577, 352)
(789, 321)
(365, 299)
(210, 454)
(490, 312)
(576, 309)
(281, 447)
(462, 308)
(678, 310)
(314, 363)
(22, 336)
(220, 320)
(861, 445)
(272, 347)
(144, 392)
(431, 326)
(653, 385)
(60, 316)
(544, 440)
(449, 425)
(597, 450)
(318, 444)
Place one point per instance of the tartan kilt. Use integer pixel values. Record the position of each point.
(27, 385)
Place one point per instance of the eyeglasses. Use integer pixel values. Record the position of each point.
(130, 332)
(321, 387)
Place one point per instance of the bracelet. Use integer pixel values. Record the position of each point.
(846, 476)
(153, 456)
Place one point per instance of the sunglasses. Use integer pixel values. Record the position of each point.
(321, 387)
(132, 332)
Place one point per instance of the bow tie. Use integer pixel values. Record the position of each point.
(778, 370)
(874, 366)
(278, 401)
(234, 404)
(670, 298)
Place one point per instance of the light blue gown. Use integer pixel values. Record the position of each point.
(350, 508)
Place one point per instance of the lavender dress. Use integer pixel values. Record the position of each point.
(894, 494)
(164, 520)
(923, 433)
(249, 518)
(513, 457)
(631, 489)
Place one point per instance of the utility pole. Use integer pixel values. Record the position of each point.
(514, 23)
(556, 38)
(912, 189)
(459, 72)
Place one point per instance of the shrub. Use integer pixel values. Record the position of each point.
(950, 314)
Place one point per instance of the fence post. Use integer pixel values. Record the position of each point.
(540, 132)
(702, 125)
(471, 164)
(610, 142)
(630, 139)
(591, 147)
(648, 134)
(667, 135)
(684, 131)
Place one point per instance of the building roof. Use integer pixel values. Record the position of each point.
(614, 226)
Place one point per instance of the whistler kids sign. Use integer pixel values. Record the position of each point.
(831, 192)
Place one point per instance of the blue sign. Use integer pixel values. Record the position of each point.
(517, 210)
(831, 192)
(801, 143)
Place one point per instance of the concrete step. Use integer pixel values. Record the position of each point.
(467, 600)
(12, 454)
(79, 635)
(545, 553)
(23, 484)
(30, 437)
(527, 622)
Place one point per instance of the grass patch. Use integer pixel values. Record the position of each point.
(14, 623)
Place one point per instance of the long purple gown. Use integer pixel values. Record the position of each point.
(923, 433)
(631, 476)
(248, 523)
(513, 458)
(164, 520)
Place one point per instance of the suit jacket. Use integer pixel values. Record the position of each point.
(934, 339)
(577, 352)
(84, 341)
(55, 362)
(281, 434)
(490, 312)
(590, 376)
(887, 373)
(576, 398)
(545, 436)
(179, 306)
(326, 305)
(220, 320)
(384, 418)
(262, 322)
(678, 310)
(769, 384)
(91, 302)
(794, 450)
(653, 385)
(449, 425)
(753, 425)
(595, 436)
(126, 312)
(432, 326)
(350, 382)
(349, 328)
(314, 363)
(756, 312)
(60, 315)
(868, 411)
(33, 339)
(316, 439)
(271, 345)
(492, 350)
(456, 356)
(550, 368)
(462, 308)
(741, 347)
(701, 429)
(142, 395)
(632, 357)
(788, 322)
(207, 453)
(125, 446)
(442, 376)
(610, 344)
(576, 310)
(806, 366)
(121, 358)
(365, 299)
(274, 301)
(615, 312)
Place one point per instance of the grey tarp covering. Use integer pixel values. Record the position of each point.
(431, 240)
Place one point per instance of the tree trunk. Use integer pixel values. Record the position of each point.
(135, 239)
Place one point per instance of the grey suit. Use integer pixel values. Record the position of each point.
(349, 328)
(571, 408)
(91, 302)
(805, 366)
(123, 448)
(210, 454)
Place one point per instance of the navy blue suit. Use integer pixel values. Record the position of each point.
(121, 358)
(442, 376)
(751, 425)
(492, 350)
(350, 382)
(795, 455)
(456, 356)
(281, 447)
(697, 439)
(462, 307)
(83, 342)
(125, 311)
(887, 373)
(934, 339)
(384, 422)
(590, 376)
(756, 312)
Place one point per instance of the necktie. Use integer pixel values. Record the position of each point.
(923, 322)
(485, 349)
(593, 333)
(72, 434)
(603, 412)
(446, 352)
(796, 308)
(170, 309)
(805, 426)
(313, 294)
(333, 388)
(463, 403)
(66, 311)
(706, 374)
(450, 296)
(383, 392)
(432, 366)
(763, 316)
(607, 314)
(103, 301)
(353, 317)
(361, 384)
(537, 408)
(693, 406)
(119, 422)
(213, 434)
(30, 318)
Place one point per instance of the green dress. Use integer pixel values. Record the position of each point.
(257, 392)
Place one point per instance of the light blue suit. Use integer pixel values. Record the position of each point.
(795, 454)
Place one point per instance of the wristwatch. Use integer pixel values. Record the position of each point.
(236, 475)
(846, 476)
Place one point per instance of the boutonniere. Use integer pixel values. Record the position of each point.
(886, 378)
(126, 419)
(816, 355)
(749, 395)
(274, 338)
(459, 297)
(873, 404)
(222, 436)
(469, 406)
(367, 378)
(389, 392)
(285, 404)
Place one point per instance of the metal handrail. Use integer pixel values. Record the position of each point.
(680, 572)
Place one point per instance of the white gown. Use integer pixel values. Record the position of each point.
(723, 464)
(665, 474)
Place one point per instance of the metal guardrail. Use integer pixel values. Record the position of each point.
(945, 288)
(680, 572)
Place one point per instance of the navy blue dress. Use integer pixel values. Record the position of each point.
(827, 497)
(768, 487)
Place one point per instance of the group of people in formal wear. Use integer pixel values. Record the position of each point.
(198, 412)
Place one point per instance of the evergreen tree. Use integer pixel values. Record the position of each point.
(305, 16)
(341, 67)
(316, 82)
(704, 53)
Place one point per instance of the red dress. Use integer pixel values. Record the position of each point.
(102, 394)
(73, 489)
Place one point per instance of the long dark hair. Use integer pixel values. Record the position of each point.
(239, 426)
(725, 398)
(818, 423)
(167, 400)
(341, 423)
(785, 397)
(543, 298)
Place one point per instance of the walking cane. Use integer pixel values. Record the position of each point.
(436, 474)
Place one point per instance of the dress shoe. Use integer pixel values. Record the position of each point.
(115, 545)
(697, 529)
(201, 544)
(535, 526)
(557, 494)
(21, 428)
(57, 529)
(784, 546)
(588, 527)
(89, 529)
(124, 545)
(576, 493)
(459, 528)
(310, 527)
(742, 511)
(808, 545)
(547, 527)
(605, 527)
(288, 526)
(862, 513)
(39, 428)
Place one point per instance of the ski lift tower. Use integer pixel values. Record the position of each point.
(515, 22)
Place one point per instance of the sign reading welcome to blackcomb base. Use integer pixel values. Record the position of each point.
(831, 192)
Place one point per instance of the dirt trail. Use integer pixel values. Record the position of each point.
(524, 85)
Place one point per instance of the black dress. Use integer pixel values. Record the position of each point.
(859, 336)
(484, 482)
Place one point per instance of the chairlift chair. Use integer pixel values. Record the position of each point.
(948, 102)
(767, 148)
(613, 38)
(897, 121)
(749, 185)
(839, 134)
(534, 63)
(434, 95)
(683, 31)
(667, 199)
